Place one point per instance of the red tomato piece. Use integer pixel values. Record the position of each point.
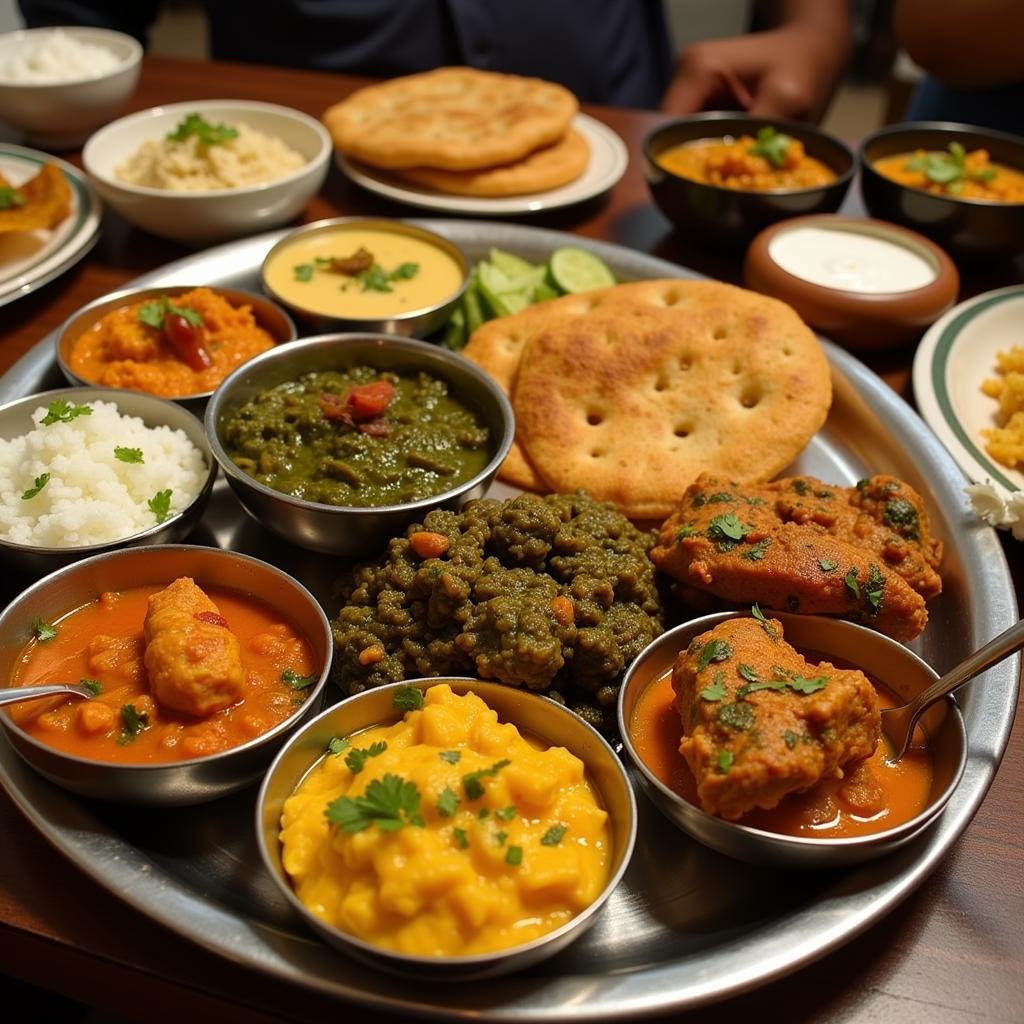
(365, 401)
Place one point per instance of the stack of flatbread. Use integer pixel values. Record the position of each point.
(631, 392)
(463, 131)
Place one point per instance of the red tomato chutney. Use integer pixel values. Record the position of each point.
(103, 642)
(831, 809)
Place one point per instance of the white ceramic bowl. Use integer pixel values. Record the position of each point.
(61, 115)
(202, 218)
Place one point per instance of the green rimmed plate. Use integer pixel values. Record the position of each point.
(954, 357)
(29, 259)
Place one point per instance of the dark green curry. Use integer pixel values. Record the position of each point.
(358, 437)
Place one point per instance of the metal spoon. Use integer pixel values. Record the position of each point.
(13, 694)
(898, 723)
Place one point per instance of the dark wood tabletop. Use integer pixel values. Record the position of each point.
(953, 951)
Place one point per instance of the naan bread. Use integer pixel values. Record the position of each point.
(454, 118)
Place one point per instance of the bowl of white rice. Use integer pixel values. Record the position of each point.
(209, 171)
(59, 84)
(86, 470)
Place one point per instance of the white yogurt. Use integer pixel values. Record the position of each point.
(852, 260)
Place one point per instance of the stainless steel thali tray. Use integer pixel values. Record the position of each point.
(687, 926)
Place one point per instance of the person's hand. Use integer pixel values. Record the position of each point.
(787, 72)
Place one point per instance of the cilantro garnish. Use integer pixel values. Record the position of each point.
(874, 588)
(62, 411)
(485, 812)
(761, 684)
(827, 565)
(725, 760)
(714, 650)
(377, 279)
(94, 686)
(357, 757)
(554, 835)
(152, 313)
(389, 803)
(207, 134)
(949, 168)
(407, 698)
(10, 197)
(41, 482)
(43, 630)
(850, 579)
(131, 455)
(772, 145)
(800, 486)
(717, 690)
(292, 678)
(461, 838)
(737, 716)
(685, 531)
(506, 813)
(304, 272)
(790, 738)
(514, 856)
(805, 686)
(756, 553)
(727, 527)
(451, 756)
(336, 745)
(500, 837)
(133, 723)
(447, 802)
(765, 624)
(160, 505)
(471, 781)
(748, 672)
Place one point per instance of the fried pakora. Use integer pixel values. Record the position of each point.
(41, 202)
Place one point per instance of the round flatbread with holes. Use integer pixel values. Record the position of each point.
(455, 118)
(631, 392)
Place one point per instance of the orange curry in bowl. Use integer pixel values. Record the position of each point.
(776, 746)
(956, 173)
(177, 673)
(771, 162)
(171, 346)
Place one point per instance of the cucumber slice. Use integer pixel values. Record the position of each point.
(544, 291)
(472, 309)
(576, 270)
(510, 264)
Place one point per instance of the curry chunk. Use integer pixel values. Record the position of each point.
(864, 553)
(760, 721)
(193, 659)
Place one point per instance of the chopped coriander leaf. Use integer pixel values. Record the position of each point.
(554, 835)
(756, 553)
(43, 630)
(485, 812)
(850, 579)
(337, 745)
(461, 838)
(292, 678)
(160, 505)
(748, 672)
(404, 271)
(133, 722)
(41, 482)
(304, 272)
(874, 588)
(62, 411)
(765, 624)
(901, 516)
(451, 756)
(514, 856)
(389, 803)
(725, 760)
(152, 314)
(357, 757)
(772, 145)
(727, 527)
(94, 686)
(827, 565)
(471, 781)
(447, 802)
(717, 690)
(714, 650)
(130, 455)
(10, 197)
(737, 716)
(407, 698)
(800, 486)
(762, 684)
(721, 496)
(805, 686)
(500, 837)
(685, 531)
(506, 813)
(375, 279)
(790, 738)
(206, 133)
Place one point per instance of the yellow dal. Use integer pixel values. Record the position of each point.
(416, 890)
(332, 294)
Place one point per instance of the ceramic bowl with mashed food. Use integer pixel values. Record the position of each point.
(337, 443)
(723, 176)
(211, 170)
(447, 829)
(60, 84)
(358, 274)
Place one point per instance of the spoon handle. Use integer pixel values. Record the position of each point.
(13, 694)
(1002, 646)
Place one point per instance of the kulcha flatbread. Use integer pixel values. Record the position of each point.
(546, 168)
(631, 392)
(454, 118)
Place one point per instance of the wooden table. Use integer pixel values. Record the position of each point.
(951, 952)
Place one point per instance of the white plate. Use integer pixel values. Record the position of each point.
(608, 161)
(29, 259)
(954, 357)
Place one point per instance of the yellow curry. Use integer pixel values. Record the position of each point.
(447, 833)
(955, 172)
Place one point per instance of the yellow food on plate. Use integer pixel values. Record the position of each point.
(446, 833)
(1005, 443)
(41, 202)
(955, 172)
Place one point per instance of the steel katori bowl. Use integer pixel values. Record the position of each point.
(892, 664)
(346, 529)
(183, 782)
(534, 715)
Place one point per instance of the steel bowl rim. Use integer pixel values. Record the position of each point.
(127, 295)
(141, 552)
(796, 128)
(389, 224)
(412, 962)
(755, 837)
(344, 339)
(89, 550)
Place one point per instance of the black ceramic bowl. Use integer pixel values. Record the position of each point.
(967, 228)
(728, 217)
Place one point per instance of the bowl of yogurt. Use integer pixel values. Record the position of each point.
(57, 85)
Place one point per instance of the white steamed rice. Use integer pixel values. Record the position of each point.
(57, 57)
(91, 496)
